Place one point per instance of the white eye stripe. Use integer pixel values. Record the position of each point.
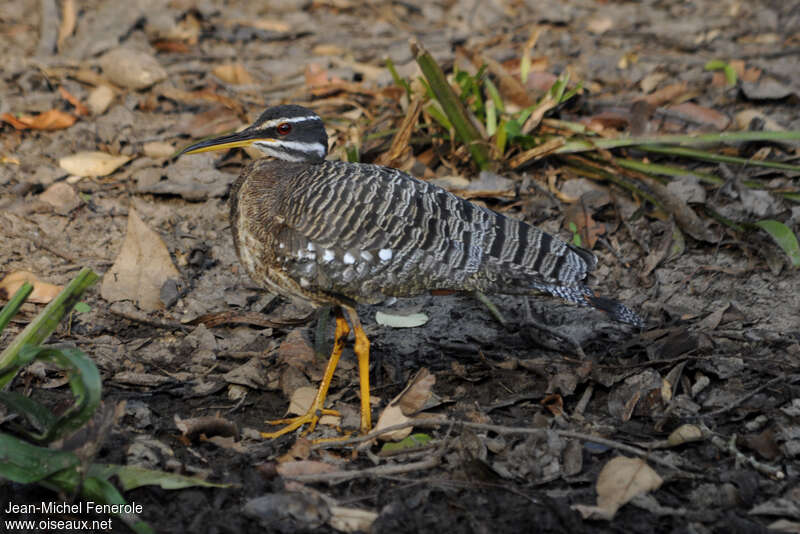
(275, 122)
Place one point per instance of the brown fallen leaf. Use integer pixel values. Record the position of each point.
(141, 268)
(400, 149)
(234, 73)
(304, 467)
(50, 120)
(700, 116)
(92, 163)
(215, 121)
(296, 350)
(42, 293)
(131, 68)
(666, 94)
(69, 17)
(172, 46)
(100, 99)
(351, 519)
(620, 480)
(300, 450)
(587, 228)
(301, 401)
(410, 401)
(62, 197)
(269, 25)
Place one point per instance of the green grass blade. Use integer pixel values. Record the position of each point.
(47, 321)
(583, 145)
(95, 489)
(491, 118)
(396, 77)
(452, 106)
(13, 306)
(717, 158)
(24, 463)
(132, 477)
(84, 381)
(784, 237)
(657, 169)
(730, 72)
(37, 415)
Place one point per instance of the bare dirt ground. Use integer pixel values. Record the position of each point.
(720, 353)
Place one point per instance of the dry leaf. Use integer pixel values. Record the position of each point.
(62, 197)
(92, 163)
(401, 321)
(301, 401)
(700, 116)
(132, 69)
(600, 25)
(296, 350)
(49, 120)
(100, 98)
(588, 229)
(410, 401)
(140, 270)
(42, 291)
(351, 519)
(229, 443)
(68, 19)
(270, 25)
(666, 94)
(620, 480)
(685, 434)
(301, 450)
(158, 149)
(234, 73)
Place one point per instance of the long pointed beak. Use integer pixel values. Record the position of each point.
(241, 139)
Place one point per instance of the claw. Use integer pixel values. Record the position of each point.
(311, 417)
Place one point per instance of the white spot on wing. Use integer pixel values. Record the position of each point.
(304, 282)
(349, 259)
(385, 254)
(328, 255)
(311, 247)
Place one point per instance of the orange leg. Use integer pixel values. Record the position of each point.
(316, 409)
(362, 351)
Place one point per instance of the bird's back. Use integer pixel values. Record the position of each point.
(367, 232)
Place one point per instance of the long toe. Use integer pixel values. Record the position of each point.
(311, 418)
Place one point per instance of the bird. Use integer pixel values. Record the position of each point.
(338, 233)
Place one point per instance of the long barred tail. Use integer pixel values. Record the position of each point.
(584, 296)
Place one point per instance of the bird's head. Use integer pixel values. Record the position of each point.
(290, 133)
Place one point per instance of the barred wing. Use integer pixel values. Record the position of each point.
(366, 232)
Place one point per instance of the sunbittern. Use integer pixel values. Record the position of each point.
(332, 232)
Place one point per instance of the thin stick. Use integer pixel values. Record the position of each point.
(506, 430)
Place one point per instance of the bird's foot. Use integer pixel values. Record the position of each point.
(311, 417)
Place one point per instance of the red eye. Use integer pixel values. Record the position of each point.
(284, 128)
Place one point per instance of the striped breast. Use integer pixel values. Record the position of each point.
(365, 232)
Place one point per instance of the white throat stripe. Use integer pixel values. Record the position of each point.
(296, 146)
